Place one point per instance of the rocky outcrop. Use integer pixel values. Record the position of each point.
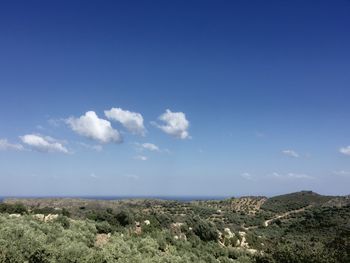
(47, 218)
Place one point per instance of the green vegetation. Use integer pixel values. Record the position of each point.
(293, 201)
(233, 230)
(16, 208)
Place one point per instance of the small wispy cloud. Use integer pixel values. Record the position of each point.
(148, 146)
(345, 150)
(131, 176)
(7, 146)
(247, 176)
(342, 173)
(290, 153)
(291, 176)
(142, 147)
(93, 175)
(44, 144)
(141, 157)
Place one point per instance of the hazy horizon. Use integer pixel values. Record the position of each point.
(181, 98)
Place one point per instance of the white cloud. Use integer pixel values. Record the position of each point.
(175, 124)
(43, 144)
(91, 126)
(131, 176)
(342, 173)
(247, 176)
(150, 146)
(141, 147)
(345, 150)
(93, 175)
(132, 121)
(141, 157)
(291, 176)
(6, 146)
(291, 153)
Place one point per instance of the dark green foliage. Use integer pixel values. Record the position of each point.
(101, 216)
(323, 222)
(16, 208)
(39, 256)
(108, 221)
(339, 247)
(125, 218)
(297, 252)
(163, 220)
(293, 201)
(65, 212)
(45, 210)
(264, 258)
(204, 230)
(103, 227)
(64, 221)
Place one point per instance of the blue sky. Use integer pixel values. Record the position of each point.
(257, 94)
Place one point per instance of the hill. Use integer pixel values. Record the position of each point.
(296, 227)
(293, 201)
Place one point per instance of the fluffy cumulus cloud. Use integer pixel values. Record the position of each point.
(291, 153)
(6, 146)
(43, 144)
(174, 124)
(345, 150)
(132, 121)
(91, 126)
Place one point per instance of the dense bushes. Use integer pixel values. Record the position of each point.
(205, 230)
(293, 201)
(13, 208)
(26, 239)
(177, 233)
(108, 221)
(125, 218)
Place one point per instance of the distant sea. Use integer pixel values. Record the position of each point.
(175, 198)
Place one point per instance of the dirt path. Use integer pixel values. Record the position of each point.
(267, 222)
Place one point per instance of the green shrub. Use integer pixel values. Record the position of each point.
(103, 227)
(125, 218)
(17, 208)
(205, 230)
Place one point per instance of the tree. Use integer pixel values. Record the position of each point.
(125, 218)
(205, 230)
